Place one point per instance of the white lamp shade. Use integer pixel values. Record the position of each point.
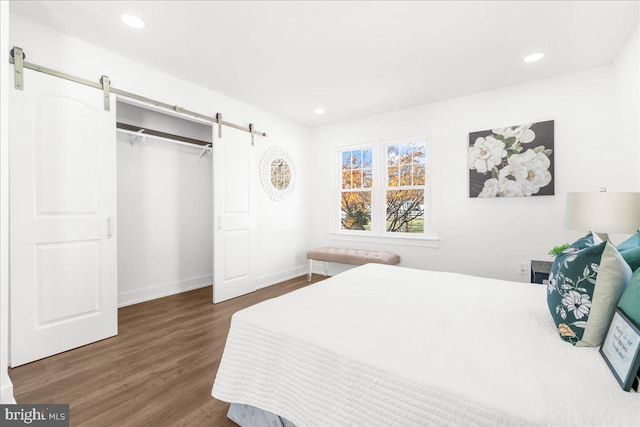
(603, 212)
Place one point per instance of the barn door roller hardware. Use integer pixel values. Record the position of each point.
(18, 67)
(219, 121)
(104, 81)
(19, 64)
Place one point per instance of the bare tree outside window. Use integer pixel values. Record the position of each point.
(405, 187)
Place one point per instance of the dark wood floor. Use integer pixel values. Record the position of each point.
(158, 371)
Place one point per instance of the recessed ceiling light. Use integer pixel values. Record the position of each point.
(319, 111)
(132, 21)
(534, 57)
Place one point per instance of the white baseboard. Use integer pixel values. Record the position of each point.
(154, 292)
(6, 392)
(159, 291)
(281, 276)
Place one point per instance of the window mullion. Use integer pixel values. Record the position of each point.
(378, 188)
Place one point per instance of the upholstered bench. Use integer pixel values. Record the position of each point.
(349, 256)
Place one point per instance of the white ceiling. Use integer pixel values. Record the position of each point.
(351, 58)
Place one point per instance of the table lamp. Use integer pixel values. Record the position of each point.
(603, 212)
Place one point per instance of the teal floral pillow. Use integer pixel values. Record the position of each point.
(571, 285)
(584, 287)
(583, 242)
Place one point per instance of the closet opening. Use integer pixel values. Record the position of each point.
(165, 203)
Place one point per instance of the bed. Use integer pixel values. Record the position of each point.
(383, 345)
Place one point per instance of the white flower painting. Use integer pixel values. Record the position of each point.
(486, 154)
(514, 161)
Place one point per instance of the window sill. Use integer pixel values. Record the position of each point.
(424, 241)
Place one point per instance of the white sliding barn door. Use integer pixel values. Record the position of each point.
(234, 180)
(62, 218)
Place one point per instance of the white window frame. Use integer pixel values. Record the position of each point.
(378, 233)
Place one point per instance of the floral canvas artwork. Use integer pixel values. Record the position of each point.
(515, 161)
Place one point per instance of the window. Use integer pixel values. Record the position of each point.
(405, 165)
(384, 189)
(355, 197)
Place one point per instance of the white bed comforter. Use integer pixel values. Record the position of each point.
(383, 346)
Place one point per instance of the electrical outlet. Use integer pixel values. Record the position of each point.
(522, 267)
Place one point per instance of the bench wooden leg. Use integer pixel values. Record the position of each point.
(310, 268)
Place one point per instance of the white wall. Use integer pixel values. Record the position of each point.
(627, 78)
(165, 210)
(6, 387)
(281, 227)
(488, 237)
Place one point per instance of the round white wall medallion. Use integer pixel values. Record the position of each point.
(277, 173)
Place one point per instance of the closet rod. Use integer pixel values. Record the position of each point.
(165, 135)
(107, 88)
(173, 141)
